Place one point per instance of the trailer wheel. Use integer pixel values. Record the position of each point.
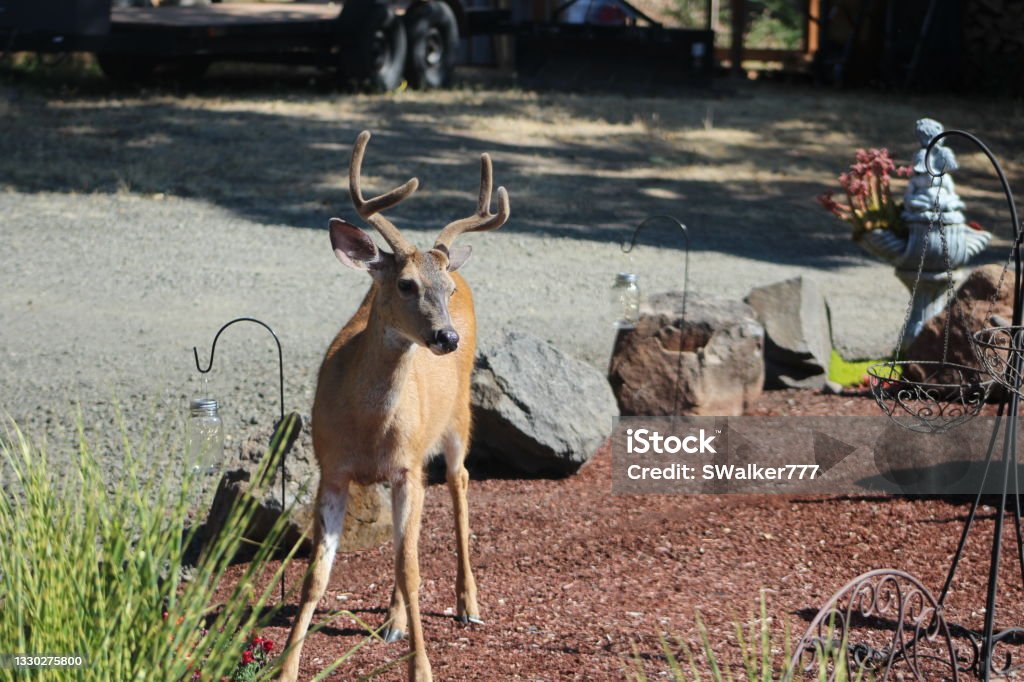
(433, 42)
(378, 57)
(126, 68)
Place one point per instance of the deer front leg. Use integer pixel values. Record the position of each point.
(455, 446)
(327, 527)
(397, 621)
(407, 509)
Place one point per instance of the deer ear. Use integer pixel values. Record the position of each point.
(457, 256)
(352, 246)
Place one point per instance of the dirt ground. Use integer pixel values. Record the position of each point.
(610, 573)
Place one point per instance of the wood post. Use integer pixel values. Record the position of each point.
(739, 16)
(812, 32)
(712, 9)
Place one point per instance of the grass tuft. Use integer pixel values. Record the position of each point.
(93, 568)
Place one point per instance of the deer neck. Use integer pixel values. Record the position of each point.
(391, 356)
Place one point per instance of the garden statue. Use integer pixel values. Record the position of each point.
(926, 237)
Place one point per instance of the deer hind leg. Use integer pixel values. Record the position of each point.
(407, 510)
(327, 528)
(456, 443)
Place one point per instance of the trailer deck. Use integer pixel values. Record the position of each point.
(231, 15)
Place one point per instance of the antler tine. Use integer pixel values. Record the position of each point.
(369, 209)
(483, 219)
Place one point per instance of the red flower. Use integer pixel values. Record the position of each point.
(247, 657)
(268, 646)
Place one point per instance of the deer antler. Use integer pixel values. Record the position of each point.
(370, 209)
(483, 219)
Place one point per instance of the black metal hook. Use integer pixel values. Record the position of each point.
(627, 248)
(280, 355)
(1018, 229)
(280, 376)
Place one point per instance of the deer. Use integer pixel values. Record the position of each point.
(393, 390)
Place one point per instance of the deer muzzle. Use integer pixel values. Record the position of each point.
(445, 341)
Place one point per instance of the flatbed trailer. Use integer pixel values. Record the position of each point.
(374, 43)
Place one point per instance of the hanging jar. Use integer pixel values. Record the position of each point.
(204, 447)
(625, 300)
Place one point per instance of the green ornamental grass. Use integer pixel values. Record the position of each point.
(93, 568)
(761, 662)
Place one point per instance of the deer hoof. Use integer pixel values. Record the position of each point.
(466, 620)
(392, 635)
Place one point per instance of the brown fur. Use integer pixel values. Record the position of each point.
(392, 391)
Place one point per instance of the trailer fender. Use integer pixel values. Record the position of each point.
(457, 8)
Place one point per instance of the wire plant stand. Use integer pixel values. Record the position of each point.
(886, 622)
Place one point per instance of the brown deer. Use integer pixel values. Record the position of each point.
(394, 389)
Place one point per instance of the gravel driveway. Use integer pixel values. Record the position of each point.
(134, 225)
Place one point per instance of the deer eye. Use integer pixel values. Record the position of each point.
(406, 286)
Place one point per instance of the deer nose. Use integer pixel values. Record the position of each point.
(446, 339)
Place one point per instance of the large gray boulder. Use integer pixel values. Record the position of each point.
(716, 352)
(536, 408)
(367, 515)
(798, 335)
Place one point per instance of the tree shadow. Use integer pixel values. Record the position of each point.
(285, 162)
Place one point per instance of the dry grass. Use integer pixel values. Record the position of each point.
(749, 162)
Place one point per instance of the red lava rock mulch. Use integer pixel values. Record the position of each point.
(571, 577)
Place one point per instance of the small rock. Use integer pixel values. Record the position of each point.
(832, 388)
(798, 335)
(536, 408)
(715, 355)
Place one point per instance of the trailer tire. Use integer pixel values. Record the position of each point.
(433, 34)
(128, 69)
(378, 55)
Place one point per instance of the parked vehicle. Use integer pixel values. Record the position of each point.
(374, 43)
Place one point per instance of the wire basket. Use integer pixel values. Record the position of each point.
(999, 349)
(929, 396)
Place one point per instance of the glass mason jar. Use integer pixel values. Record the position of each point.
(625, 300)
(204, 448)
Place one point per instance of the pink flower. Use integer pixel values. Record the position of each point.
(869, 203)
